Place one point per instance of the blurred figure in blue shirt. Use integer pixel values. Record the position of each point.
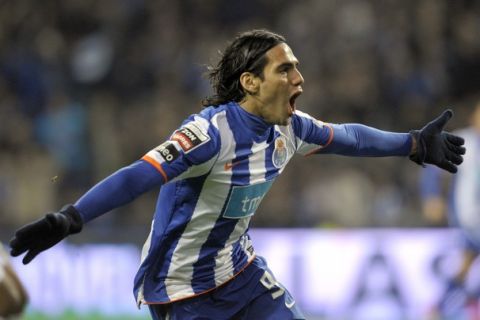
(460, 204)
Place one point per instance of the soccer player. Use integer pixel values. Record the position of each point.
(463, 208)
(198, 261)
(13, 297)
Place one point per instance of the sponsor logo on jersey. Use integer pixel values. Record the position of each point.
(279, 157)
(168, 151)
(230, 164)
(243, 201)
(189, 137)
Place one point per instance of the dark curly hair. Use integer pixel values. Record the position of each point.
(246, 53)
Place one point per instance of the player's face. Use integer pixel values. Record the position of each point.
(280, 86)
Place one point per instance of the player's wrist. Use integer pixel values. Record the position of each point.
(413, 149)
(418, 149)
(74, 218)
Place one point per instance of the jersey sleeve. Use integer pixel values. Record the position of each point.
(189, 152)
(350, 139)
(311, 135)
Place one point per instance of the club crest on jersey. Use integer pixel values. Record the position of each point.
(189, 137)
(280, 153)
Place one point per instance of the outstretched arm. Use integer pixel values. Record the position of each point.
(428, 145)
(362, 141)
(116, 190)
(166, 162)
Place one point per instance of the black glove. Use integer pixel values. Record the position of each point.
(438, 147)
(44, 233)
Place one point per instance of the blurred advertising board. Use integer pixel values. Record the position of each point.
(355, 274)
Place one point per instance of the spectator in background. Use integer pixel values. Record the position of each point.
(62, 129)
(403, 58)
(463, 207)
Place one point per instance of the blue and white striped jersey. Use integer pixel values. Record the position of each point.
(465, 201)
(217, 168)
(464, 193)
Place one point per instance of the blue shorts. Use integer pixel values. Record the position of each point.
(252, 294)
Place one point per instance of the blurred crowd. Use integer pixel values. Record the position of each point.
(89, 86)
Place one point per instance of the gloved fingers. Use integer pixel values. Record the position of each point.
(456, 140)
(34, 230)
(31, 254)
(27, 236)
(453, 157)
(460, 150)
(442, 120)
(447, 165)
(18, 247)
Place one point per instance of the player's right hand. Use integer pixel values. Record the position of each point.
(44, 233)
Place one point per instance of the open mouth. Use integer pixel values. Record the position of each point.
(292, 101)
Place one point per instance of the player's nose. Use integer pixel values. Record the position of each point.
(297, 78)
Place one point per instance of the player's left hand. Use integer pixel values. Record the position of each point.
(438, 147)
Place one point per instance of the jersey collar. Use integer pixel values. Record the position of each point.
(250, 121)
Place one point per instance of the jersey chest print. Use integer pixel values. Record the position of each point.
(243, 201)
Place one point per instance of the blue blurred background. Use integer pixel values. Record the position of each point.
(87, 87)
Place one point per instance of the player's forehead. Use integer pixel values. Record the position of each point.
(280, 54)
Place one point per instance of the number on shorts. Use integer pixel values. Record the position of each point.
(269, 282)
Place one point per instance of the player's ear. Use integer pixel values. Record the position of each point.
(250, 82)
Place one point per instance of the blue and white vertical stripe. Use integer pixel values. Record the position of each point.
(199, 237)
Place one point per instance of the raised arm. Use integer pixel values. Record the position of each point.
(118, 189)
(362, 141)
(114, 191)
(171, 160)
(428, 145)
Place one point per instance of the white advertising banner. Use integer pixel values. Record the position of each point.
(352, 274)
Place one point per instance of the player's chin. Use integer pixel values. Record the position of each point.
(284, 121)
(280, 120)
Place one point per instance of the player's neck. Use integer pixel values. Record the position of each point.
(251, 105)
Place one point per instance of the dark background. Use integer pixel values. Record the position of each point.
(87, 87)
